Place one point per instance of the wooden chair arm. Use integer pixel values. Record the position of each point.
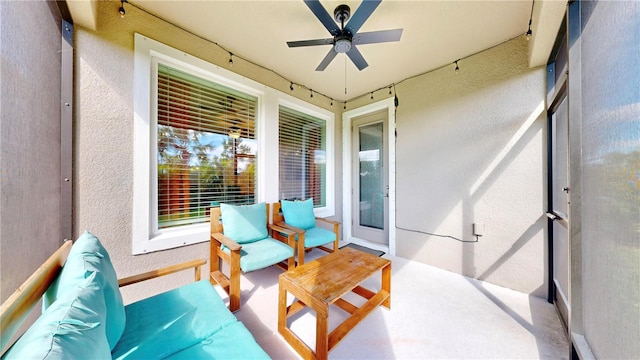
(232, 245)
(291, 228)
(332, 222)
(291, 234)
(195, 264)
(282, 229)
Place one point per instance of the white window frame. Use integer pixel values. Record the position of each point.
(146, 237)
(329, 119)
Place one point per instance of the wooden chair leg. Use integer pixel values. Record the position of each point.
(234, 283)
(300, 246)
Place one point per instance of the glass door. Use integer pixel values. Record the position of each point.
(370, 178)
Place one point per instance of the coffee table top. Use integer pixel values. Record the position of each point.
(332, 276)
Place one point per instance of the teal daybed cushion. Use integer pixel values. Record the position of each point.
(233, 342)
(73, 327)
(155, 329)
(87, 256)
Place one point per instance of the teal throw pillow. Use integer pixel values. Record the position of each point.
(87, 255)
(73, 327)
(299, 213)
(244, 223)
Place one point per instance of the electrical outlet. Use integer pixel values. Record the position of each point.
(478, 229)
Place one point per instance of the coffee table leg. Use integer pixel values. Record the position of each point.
(322, 337)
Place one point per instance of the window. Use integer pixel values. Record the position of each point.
(206, 147)
(198, 134)
(302, 149)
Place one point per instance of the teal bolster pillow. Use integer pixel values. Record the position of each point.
(299, 213)
(244, 223)
(72, 327)
(87, 255)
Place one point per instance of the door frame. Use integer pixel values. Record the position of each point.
(347, 218)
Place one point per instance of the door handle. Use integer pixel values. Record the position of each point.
(552, 216)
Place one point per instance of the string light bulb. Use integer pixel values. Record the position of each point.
(389, 90)
(457, 67)
(121, 9)
(345, 105)
(311, 91)
(372, 95)
(230, 59)
(331, 102)
(291, 87)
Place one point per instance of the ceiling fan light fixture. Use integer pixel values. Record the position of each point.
(342, 45)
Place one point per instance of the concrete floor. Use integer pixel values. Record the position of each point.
(434, 314)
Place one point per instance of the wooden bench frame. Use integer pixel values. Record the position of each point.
(15, 310)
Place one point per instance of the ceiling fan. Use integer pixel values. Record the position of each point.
(345, 38)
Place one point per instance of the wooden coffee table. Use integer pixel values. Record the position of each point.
(323, 282)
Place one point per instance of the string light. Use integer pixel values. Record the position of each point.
(291, 87)
(331, 102)
(372, 95)
(345, 105)
(121, 9)
(311, 91)
(389, 90)
(230, 59)
(457, 67)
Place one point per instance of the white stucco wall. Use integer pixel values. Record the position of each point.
(471, 147)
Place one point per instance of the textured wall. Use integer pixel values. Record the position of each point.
(611, 178)
(471, 147)
(104, 133)
(29, 138)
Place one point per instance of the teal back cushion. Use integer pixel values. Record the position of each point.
(166, 323)
(73, 327)
(299, 213)
(87, 255)
(244, 223)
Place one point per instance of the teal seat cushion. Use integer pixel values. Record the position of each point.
(87, 255)
(73, 327)
(232, 342)
(299, 213)
(164, 324)
(262, 254)
(318, 236)
(244, 223)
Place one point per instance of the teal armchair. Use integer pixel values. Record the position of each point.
(242, 237)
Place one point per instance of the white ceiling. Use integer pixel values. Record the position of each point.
(435, 34)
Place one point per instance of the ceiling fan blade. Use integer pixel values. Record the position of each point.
(327, 59)
(357, 58)
(361, 15)
(373, 37)
(324, 17)
(328, 41)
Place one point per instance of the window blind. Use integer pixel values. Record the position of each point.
(206, 147)
(302, 149)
